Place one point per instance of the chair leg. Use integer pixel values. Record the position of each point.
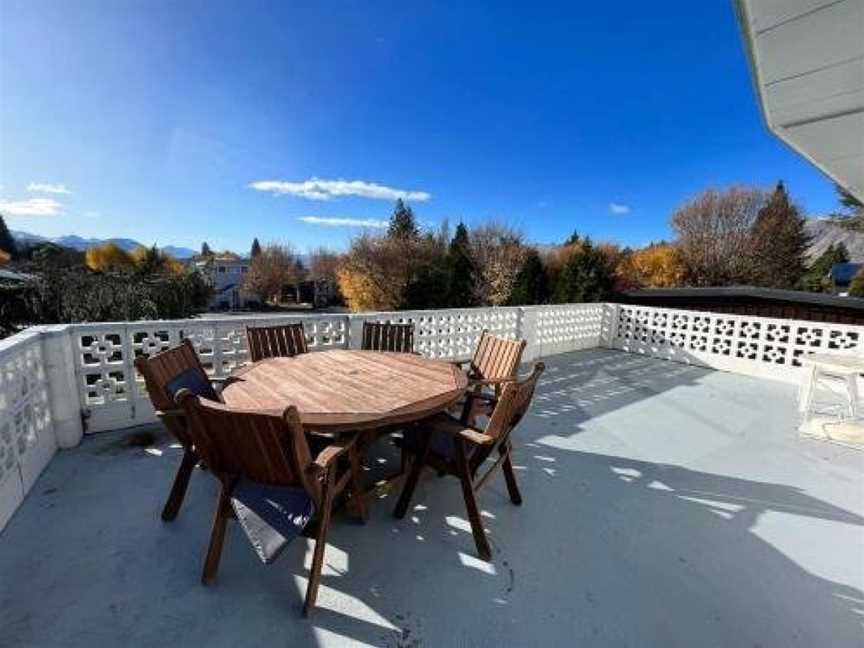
(217, 537)
(320, 546)
(181, 482)
(358, 489)
(413, 477)
(510, 476)
(483, 549)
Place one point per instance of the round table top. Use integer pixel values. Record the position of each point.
(348, 390)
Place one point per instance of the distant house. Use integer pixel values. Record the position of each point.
(225, 275)
(841, 275)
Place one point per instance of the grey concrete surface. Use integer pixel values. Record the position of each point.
(665, 505)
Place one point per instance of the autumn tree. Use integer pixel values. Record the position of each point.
(498, 255)
(816, 277)
(657, 265)
(778, 244)
(460, 283)
(152, 260)
(374, 273)
(270, 272)
(585, 276)
(323, 263)
(109, 257)
(7, 241)
(403, 225)
(713, 234)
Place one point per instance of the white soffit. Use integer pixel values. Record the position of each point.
(807, 60)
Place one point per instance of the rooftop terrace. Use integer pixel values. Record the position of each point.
(665, 504)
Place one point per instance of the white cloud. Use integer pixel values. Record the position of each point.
(31, 207)
(318, 189)
(615, 208)
(46, 187)
(344, 222)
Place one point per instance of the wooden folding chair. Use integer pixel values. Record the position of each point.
(270, 481)
(164, 374)
(386, 336)
(453, 447)
(285, 340)
(495, 362)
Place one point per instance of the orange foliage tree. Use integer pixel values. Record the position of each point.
(657, 265)
(109, 257)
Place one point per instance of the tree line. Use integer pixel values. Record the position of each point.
(734, 236)
(105, 283)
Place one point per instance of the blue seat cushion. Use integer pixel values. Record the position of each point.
(443, 430)
(195, 381)
(271, 516)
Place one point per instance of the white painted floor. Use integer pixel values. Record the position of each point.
(665, 505)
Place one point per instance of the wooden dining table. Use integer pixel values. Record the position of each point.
(348, 391)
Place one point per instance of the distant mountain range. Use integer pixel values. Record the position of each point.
(831, 231)
(81, 244)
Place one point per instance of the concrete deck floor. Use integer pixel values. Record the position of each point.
(665, 505)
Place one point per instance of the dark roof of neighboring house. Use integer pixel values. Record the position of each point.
(11, 275)
(730, 293)
(844, 272)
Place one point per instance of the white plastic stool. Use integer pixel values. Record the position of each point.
(836, 367)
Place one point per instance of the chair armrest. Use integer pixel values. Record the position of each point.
(331, 453)
(169, 414)
(476, 437)
(452, 426)
(489, 382)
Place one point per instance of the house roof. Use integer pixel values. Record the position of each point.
(749, 292)
(807, 62)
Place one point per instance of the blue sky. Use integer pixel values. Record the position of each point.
(177, 122)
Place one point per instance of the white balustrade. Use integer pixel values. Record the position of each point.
(58, 381)
(751, 345)
(27, 440)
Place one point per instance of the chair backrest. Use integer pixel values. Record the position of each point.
(512, 405)
(496, 357)
(285, 340)
(266, 448)
(386, 336)
(165, 373)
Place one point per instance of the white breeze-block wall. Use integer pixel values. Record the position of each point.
(56, 382)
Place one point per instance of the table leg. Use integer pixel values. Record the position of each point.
(852, 393)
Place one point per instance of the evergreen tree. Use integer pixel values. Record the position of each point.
(427, 287)
(462, 273)
(585, 276)
(856, 288)
(403, 225)
(847, 200)
(573, 239)
(7, 242)
(816, 277)
(531, 285)
(205, 250)
(778, 244)
(256, 248)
